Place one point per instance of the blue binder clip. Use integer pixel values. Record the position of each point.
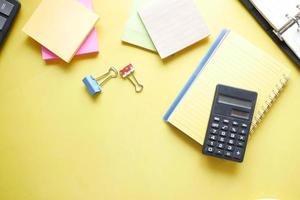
(92, 84)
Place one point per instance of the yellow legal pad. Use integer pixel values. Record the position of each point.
(61, 26)
(231, 61)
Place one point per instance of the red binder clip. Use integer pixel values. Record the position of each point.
(128, 72)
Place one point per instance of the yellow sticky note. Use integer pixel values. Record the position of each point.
(61, 26)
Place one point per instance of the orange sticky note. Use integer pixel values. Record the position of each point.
(61, 26)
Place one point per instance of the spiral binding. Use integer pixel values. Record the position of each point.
(268, 103)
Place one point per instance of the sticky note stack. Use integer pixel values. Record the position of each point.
(165, 26)
(173, 25)
(64, 28)
(135, 32)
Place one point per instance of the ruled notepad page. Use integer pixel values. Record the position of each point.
(235, 63)
(173, 25)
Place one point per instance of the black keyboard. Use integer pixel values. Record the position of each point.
(8, 12)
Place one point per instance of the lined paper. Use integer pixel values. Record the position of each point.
(235, 63)
(173, 25)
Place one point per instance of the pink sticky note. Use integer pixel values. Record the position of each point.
(90, 45)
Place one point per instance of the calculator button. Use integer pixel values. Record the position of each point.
(216, 119)
(238, 153)
(233, 130)
(211, 143)
(220, 146)
(225, 121)
(244, 125)
(224, 127)
(235, 123)
(221, 139)
(243, 131)
(229, 147)
(215, 125)
(223, 133)
(240, 144)
(228, 154)
(2, 22)
(209, 149)
(213, 131)
(241, 138)
(6, 7)
(232, 135)
(231, 141)
(219, 152)
(213, 137)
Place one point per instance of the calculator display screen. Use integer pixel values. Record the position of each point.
(234, 102)
(240, 114)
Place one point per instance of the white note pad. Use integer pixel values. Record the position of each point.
(275, 13)
(173, 25)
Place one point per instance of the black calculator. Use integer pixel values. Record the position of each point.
(8, 12)
(229, 124)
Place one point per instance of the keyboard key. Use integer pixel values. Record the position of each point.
(240, 144)
(233, 129)
(244, 125)
(232, 135)
(231, 141)
(211, 143)
(219, 152)
(229, 147)
(241, 138)
(213, 131)
(220, 146)
(235, 123)
(2, 22)
(238, 153)
(243, 132)
(215, 125)
(221, 139)
(228, 154)
(225, 121)
(6, 7)
(209, 149)
(217, 119)
(223, 133)
(213, 137)
(224, 127)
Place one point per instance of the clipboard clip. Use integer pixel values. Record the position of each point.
(292, 20)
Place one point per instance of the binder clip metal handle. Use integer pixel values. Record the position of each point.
(138, 87)
(92, 84)
(128, 72)
(112, 73)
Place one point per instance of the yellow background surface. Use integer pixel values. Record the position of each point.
(56, 142)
